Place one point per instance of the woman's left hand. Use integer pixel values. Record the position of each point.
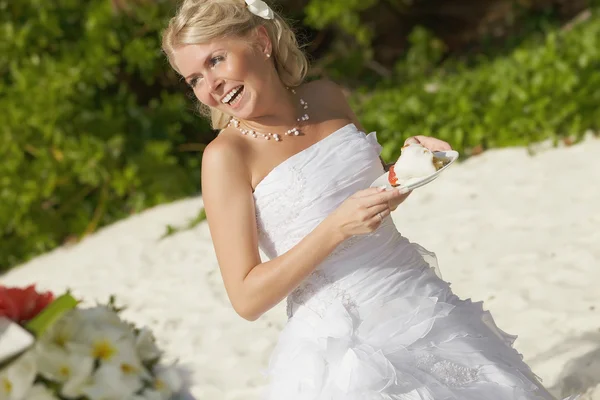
(429, 142)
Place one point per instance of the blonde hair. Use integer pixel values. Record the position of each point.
(199, 21)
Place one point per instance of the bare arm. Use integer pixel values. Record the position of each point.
(253, 287)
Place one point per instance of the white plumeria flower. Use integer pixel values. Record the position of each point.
(71, 368)
(41, 392)
(102, 316)
(109, 383)
(130, 364)
(102, 343)
(121, 370)
(101, 320)
(145, 344)
(116, 347)
(260, 8)
(167, 381)
(64, 331)
(17, 379)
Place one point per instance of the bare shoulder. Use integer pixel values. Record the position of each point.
(224, 150)
(333, 97)
(225, 158)
(327, 89)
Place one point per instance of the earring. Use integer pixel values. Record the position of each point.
(268, 55)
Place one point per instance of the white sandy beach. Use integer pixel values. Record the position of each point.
(521, 233)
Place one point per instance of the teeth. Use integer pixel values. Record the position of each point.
(236, 97)
(230, 95)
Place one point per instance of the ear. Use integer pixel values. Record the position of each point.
(264, 42)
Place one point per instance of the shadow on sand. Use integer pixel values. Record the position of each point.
(580, 374)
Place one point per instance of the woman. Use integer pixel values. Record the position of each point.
(290, 172)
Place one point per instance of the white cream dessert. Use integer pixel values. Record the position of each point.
(415, 161)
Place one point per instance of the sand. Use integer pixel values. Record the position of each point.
(520, 232)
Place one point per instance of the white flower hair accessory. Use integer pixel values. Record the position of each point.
(260, 8)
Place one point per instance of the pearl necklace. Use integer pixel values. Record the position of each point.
(267, 136)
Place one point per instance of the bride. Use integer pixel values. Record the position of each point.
(290, 172)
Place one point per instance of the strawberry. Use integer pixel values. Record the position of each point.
(392, 179)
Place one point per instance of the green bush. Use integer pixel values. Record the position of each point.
(93, 124)
(539, 91)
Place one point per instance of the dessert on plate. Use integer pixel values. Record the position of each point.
(415, 161)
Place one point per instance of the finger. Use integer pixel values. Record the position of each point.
(434, 144)
(385, 213)
(411, 140)
(401, 198)
(443, 146)
(396, 202)
(381, 198)
(372, 211)
(368, 192)
(380, 216)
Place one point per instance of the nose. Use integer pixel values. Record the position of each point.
(213, 82)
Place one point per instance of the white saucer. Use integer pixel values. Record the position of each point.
(413, 183)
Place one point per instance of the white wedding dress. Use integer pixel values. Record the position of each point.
(374, 321)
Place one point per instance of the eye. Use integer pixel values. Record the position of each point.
(193, 82)
(215, 60)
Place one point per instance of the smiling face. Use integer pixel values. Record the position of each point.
(228, 74)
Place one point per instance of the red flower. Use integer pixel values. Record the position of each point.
(21, 305)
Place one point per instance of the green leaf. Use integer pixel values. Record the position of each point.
(52, 313)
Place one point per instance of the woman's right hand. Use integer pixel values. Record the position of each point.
(364, 211)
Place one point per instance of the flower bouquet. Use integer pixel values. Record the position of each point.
(52, 349)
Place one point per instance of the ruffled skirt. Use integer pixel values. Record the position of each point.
(418, 342)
